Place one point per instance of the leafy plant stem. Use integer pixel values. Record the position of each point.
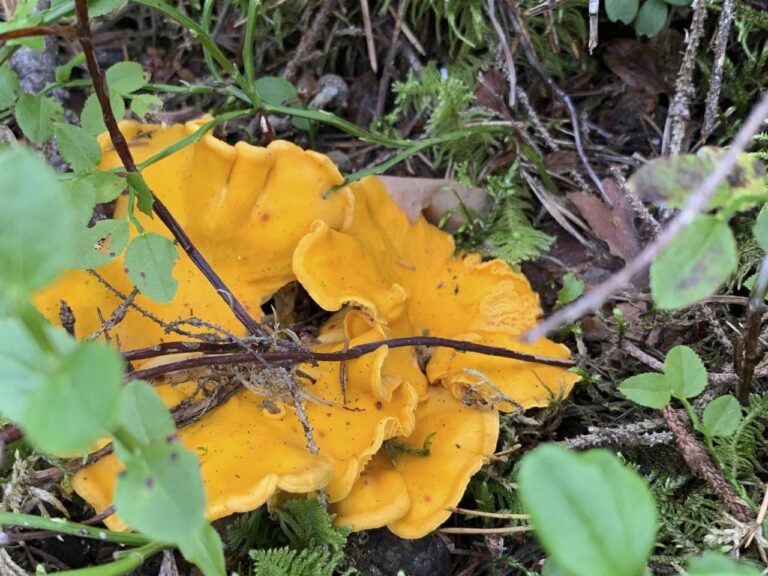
(207, 18)
(126, 562)
(63, 526)
(127, 439)
(250, 28)
(208, 43)
(124, 152)
(36, 327)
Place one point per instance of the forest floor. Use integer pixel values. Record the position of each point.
(547, 74)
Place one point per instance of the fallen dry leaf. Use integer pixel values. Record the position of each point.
(615, 225)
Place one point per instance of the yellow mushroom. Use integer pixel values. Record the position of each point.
(460, 440)
(406, 277)
(245, 208)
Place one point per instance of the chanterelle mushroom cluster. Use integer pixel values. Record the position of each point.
(262, 218)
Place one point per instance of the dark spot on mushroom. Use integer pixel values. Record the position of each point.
(379, 405)
(126, 270)
(265, 217)
(427, 498)
(456, 289)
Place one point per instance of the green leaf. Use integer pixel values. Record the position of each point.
(722, 416)
(572, 289)
(38, 224)
(275, 90)
(760, 229)
(205, 550)
(92, 119)
(143, 104)
(621, 10)
(107, 185)
(64, 72)
(651, 18)
(713, 564)
(98, 8)
(650, 390)
(139, 186)
(149, 262)
(77, 401)
(9, 87)
(77, 147)
(685, 372)
(161, 492)
(144, 413)
(23, 365)
(101, 243)
(35, 116)
(673, 179)
(124, 78)
(591, 514)
(695, 264)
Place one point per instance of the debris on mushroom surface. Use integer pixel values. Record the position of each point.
(263, 218)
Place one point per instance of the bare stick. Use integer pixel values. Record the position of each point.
(308, 40)
(533, 60)
(389, 64)
(369, 41)
(679, 109)
(695, 204)
(349, 354)
(716, 78)
(755, 312)
(508, 60)
(124, 152)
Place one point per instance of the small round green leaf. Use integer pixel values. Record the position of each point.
(9, 87)
(76, 404)
(591, 514)
(651, 18)
(275, 90)
(64, 71)
(79, 148)
(35, 116)
(124, 78)
(685, 372)
(722, 416)
(38, 223)
(149, 262)
(101, 243)
(106, 185)
(143, 104)
(92, 119)
(695, 264)
(650, 390)
(161, 492)
(572, 288)
(621, 10)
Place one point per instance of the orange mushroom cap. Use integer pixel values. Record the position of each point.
(245, 208)
(463, 438)
(406, 277)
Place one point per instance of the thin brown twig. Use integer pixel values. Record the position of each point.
(369, 40)
(123, 151)
(349, 354)
(697, 201)
(716, 77)
(308, 40)
(509, 62)
(533, 60)
(30, 31)
(754, 319)
(699, 461)
(389, 64)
